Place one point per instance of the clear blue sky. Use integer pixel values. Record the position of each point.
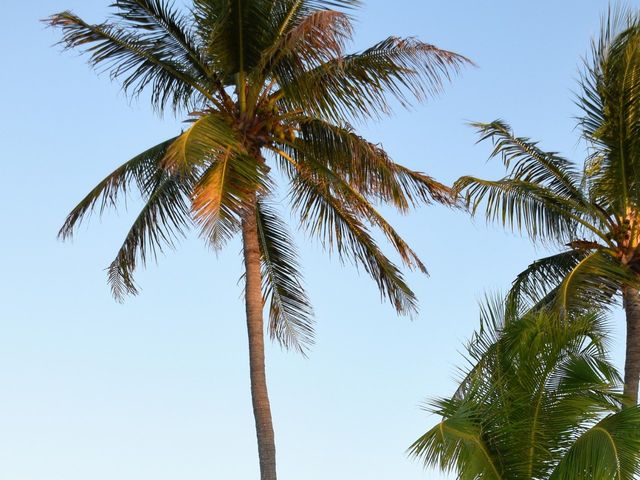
(158, 388)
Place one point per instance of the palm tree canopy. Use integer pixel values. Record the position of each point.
(540, 400)
(266, 86)
(592, 210)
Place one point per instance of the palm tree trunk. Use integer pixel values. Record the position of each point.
(255, 327)
(631, 300)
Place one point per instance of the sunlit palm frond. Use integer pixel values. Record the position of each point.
(366, 166)
(290, 313)
(222, 195)
(544, 275)
(208, 137)
(313, 40)
(324, 179)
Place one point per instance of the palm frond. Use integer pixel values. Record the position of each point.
(524, 206)
(164, 218)
(456, 444)
(338, 227)
(611, 116)
(316, 173)
(311, 41)
(607, 451)
(527, 162)
(360, 85)
(160, 21)
(107, 192)
(234, 33)
(223, 192)
(208, 137)
(138, 60)
(543, 276)
(290, 313)
(366, 166)
(593, 281)
(535, 385)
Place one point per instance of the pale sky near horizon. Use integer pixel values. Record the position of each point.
(157, 388)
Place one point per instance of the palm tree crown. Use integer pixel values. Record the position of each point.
(266, 86)
(591, 210)
(262, 81)
(540, 401)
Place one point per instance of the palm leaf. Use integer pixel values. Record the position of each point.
(163, 219)
(337, 226)
(208, 137)
(608, 450)
(357, 85)
(324, 178)
(543, 277)
(290, 313)
(593, 281)
(222, 195)
(107, 192)
(365, 166)
(527, 162)
(138, 60)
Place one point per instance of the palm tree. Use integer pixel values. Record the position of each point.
(267, 87)
(592, 211)
(540, 401)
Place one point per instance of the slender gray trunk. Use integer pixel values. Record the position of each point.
(631, 300)
(255, 328)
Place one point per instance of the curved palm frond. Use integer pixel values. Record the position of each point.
(290, 314)
(208, 137)
(159, 20)
(522, 205)
(163, 219)
(138, 59)
(357, 85)
(543, 277)
(457, 444)
(338, 227)
(315, 39)
(107, 192)
(527, 162)
(347, 194)
(607, 451)
(222, 195)
(366, 166)
(593, 281)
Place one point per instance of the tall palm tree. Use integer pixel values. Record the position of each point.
(540, 401)
(592, 211)
(267, 87)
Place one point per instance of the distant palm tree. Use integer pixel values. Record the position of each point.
(592, 210)
(266, 84)
(540, 401)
